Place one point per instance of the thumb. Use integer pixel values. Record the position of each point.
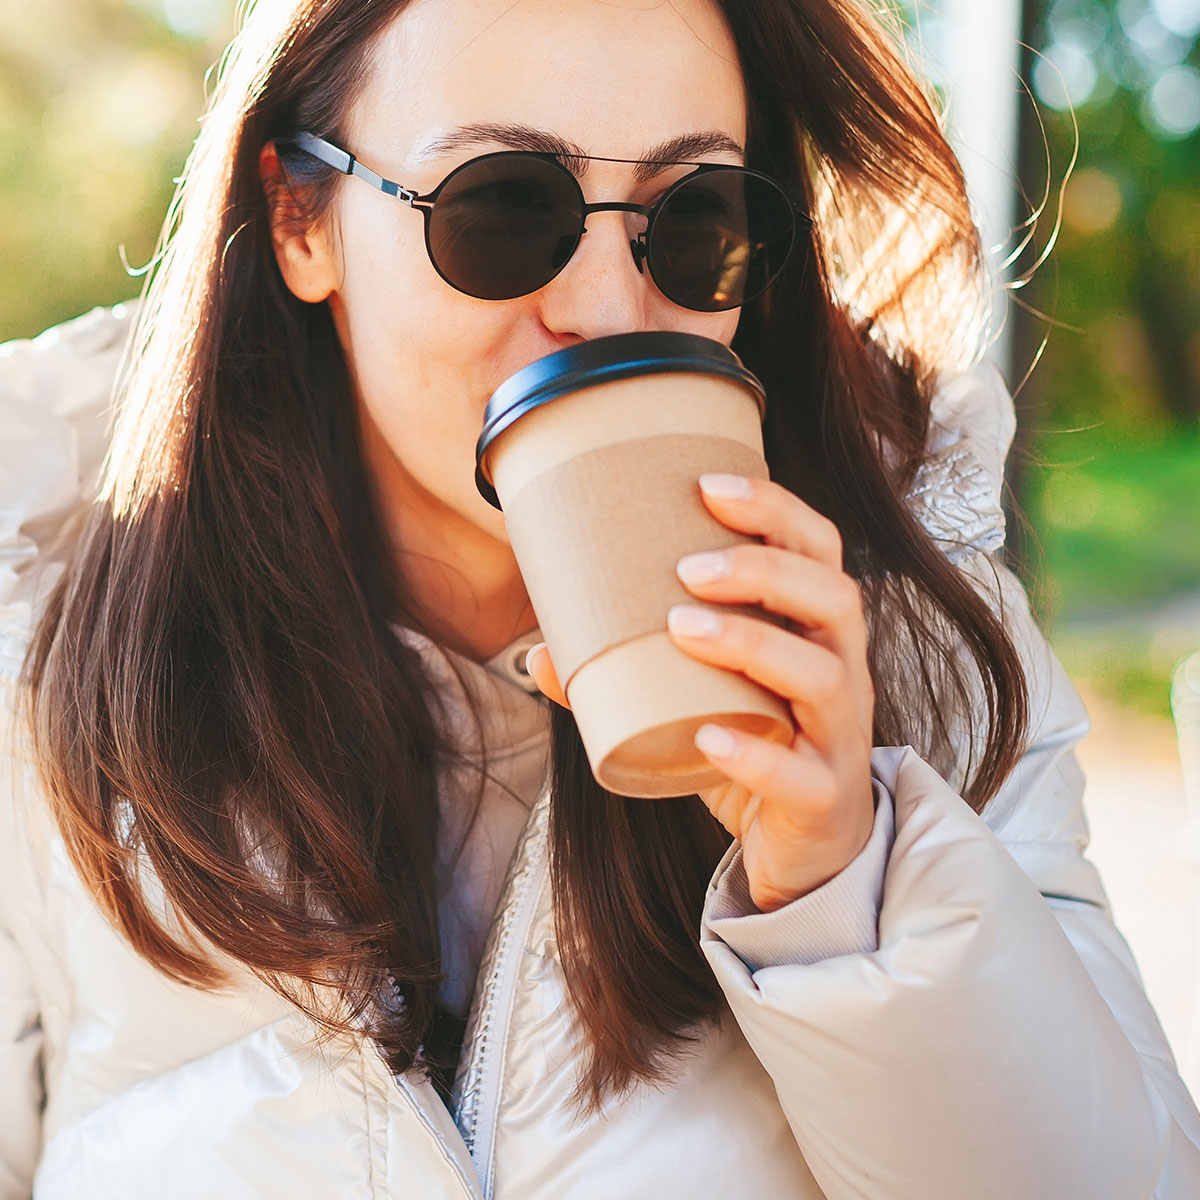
(539, 666)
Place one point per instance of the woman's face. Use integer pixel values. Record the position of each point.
(616, 79)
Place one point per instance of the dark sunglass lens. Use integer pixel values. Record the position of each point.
(720, 239)
(504, 225)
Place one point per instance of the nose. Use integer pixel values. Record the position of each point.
(604, 288)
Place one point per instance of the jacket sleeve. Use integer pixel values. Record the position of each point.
(963, 1018)
(955, 1014)
(54, 406)
(21, 1086)
(20, 1073)
(55, 410)
(21, 1095)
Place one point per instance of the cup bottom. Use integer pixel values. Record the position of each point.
(638, 707)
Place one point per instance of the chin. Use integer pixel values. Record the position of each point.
(500, 527)
(489, 519)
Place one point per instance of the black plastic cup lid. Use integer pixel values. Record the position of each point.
(601, 360)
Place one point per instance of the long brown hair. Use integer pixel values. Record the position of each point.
(196, 708)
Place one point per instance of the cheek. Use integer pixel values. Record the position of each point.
(397, 315)
(387, 278)
(414, 386)
(421, 354)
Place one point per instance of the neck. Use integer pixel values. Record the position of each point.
(465, 590)
(473, 603)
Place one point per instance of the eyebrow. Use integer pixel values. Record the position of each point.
(685, 147)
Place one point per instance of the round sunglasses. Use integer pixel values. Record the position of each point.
(505, 224)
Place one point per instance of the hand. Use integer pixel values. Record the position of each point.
(801, 811)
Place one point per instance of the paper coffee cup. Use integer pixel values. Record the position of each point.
(594, 455)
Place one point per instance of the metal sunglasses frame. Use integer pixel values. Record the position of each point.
(345, 162)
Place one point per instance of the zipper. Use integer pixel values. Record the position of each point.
(401, 1006)
(405, 1087)
(491, 1038)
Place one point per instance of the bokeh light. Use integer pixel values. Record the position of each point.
(1172, 104)
(1181, 17)
(1066, 75)
(1092, 202)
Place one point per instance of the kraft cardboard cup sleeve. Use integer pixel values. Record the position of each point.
(594, 454)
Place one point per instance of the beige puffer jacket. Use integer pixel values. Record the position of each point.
(954, 1017)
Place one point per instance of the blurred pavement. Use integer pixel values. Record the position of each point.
(1149, 859)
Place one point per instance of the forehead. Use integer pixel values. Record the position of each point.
(614, 79)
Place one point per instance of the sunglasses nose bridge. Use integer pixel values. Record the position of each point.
(637, 244)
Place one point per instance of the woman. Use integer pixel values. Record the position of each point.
(275, 745)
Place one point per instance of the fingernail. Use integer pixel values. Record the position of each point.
(530, 654)
(714, 740)
(703, 568)
(726, 487)
(690, 621)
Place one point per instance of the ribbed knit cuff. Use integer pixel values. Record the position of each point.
(840, 917)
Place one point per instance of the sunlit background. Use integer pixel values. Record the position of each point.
(1083, 112)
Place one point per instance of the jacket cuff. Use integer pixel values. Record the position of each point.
(840, 917)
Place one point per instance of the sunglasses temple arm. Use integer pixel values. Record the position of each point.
(344, 161)
(802, 217)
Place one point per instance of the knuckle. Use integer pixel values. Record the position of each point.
(847, 599)
(829, 540)
(772, 581)
(752, 633)
(753, 569)
(827, 676)
(739, 561)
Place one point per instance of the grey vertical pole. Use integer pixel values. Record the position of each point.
(980, 60)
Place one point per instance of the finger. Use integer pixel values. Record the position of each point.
(826, 696)
(764, 772)
(734, 804)
(824, 600)
(779, 517)
(789, 811)
(541, 669)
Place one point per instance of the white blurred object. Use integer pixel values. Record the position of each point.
(1185, 707)
(979, 62)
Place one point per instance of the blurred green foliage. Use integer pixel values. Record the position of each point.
(1126, 282)
(1112, 417)
(1117, 516)
(99, 102)
(1118, 519)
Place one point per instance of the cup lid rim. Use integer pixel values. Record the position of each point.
(603, 360)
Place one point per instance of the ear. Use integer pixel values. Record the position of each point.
(306, 254)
